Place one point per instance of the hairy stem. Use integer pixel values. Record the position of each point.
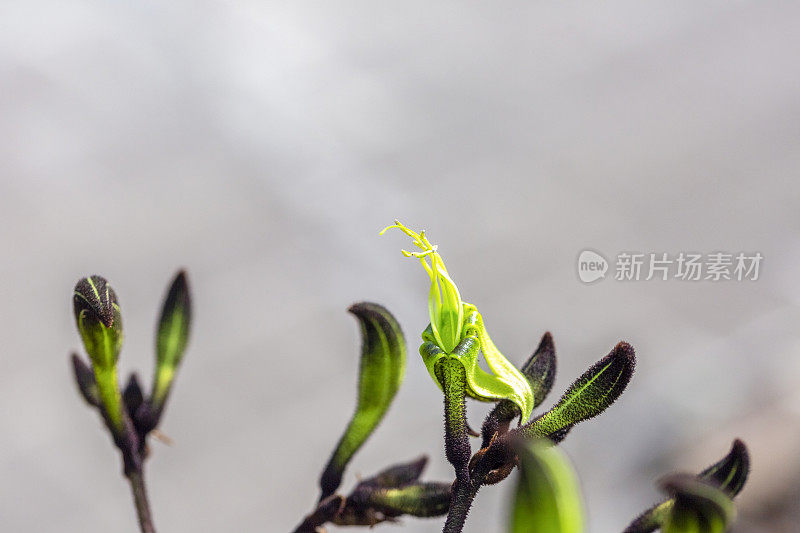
(457, 448)
(460, 503)
(139, 490)
(325, 512)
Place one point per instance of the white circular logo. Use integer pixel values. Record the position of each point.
(591, 266)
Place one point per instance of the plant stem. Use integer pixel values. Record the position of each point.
(457, 448)
(136, 479)
(460, 503)
(464, 493)
(326, 510)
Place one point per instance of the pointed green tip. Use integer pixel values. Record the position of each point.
(172, 336)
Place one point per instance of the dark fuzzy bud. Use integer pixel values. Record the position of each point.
(132, 395)
(589, 395)
(97, 316)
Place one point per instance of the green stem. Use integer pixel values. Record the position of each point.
(110, 398)
(139, 491)
(457, 448)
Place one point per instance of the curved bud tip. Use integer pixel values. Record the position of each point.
(730, 473)
(95, 295)
(699, 506)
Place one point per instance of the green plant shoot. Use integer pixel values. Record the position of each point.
(99, 323)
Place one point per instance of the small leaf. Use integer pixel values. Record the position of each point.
(590, 395)
(84, 377)
(383, 358)
(398, 475)
(699, 506)
(540, 369)
(132, 395)
(171, 338)
(548, 496)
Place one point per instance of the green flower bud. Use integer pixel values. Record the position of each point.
(382, 368)
(416, 499)
(99, 322)
(171, 337)
(729, 474)
(548, 495)
(699, 506)
(457, 331)
(588, 396)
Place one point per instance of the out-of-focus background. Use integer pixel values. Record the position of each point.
(263, 145)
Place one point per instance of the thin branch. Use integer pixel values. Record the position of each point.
(139, 491)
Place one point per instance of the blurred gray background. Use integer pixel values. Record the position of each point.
(263, 146)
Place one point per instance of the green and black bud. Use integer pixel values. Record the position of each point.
(420, 499)
(588, 396)
(391, 493)
(99, 322)
(98, 319)
(383, 363)
(729, 475)
(171, 338)
(699, 506)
